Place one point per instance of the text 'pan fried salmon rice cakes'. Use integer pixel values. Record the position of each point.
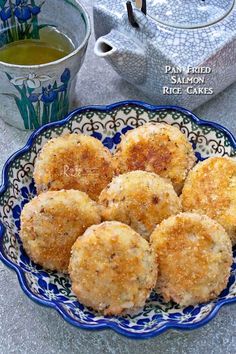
(112, 269)
(74, 161)
(211, 189)
(194, 257)
(139, 199)
(51, 223)
(159, 148)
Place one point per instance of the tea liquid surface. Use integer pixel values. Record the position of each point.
(51, 46)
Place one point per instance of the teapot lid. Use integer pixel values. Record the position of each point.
(189, 13)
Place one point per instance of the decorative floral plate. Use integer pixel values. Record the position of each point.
(53, 289)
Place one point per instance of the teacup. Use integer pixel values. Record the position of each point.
(31, 96)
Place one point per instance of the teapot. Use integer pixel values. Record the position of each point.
(178, 52)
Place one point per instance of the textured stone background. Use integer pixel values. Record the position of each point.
(28, 328)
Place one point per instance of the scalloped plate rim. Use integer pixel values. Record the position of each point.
(104, 324)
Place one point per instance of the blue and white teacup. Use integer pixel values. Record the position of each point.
(31, 96)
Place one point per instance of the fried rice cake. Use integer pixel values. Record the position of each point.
(194, 257)
(51, 223)
(73, 161)
(211, 189)
(139, 199)
(159, 148)
(112, 269)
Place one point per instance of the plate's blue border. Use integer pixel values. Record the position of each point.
(103, 324)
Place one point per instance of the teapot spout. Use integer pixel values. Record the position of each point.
(127, 57)
(104, 48)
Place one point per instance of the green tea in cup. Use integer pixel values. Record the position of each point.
(42, 48)
(51, 46)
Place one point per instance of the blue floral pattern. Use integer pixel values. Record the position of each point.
(49, 291)
(26, 194)
(54, 289)
(48, 105)
(19, 19)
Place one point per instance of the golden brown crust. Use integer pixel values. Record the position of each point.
(139, 199)
(211, 189)
(194, 256)
(74, 161)
(51, 222)
(112, 268)
(158, 148)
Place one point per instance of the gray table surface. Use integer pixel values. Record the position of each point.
(26, 327)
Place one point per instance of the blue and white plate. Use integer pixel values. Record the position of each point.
(53, 289)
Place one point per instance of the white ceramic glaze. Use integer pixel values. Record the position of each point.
(174, 33)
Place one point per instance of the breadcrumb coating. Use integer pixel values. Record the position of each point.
(139, 199)
(74, 161)
(51, 223)
(211, 189)
(194, 256)
(112, 268)
(159, 148)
